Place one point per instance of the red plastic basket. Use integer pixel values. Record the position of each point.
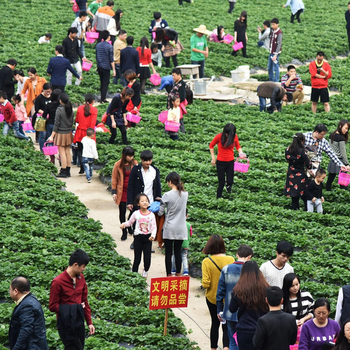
(344, 179)
(163, 116)
(241, 167)
(133, 118)
(172, 126)
(50, 150)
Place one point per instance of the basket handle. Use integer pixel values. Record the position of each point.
(88, 61)
(247, 159)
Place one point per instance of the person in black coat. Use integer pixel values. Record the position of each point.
(7, 82)
(27, 326)
(347, 18)
(129, 59)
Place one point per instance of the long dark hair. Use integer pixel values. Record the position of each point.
(297, 143)
(245, 15)
(126, 92)
(340, 126)
(251, 287)
(342, 342)
(159, 35)
(117, 18)
(144, 43)
(287, 284)
(89, 99)
(67, 105)
(127, 151)
(55, 96)
(175, 179)
(228, 135)
(219, 32)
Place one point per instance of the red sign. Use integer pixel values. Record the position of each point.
(169, 292)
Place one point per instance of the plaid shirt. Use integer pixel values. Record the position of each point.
(321, 146)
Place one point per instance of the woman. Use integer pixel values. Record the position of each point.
(296, 181)
(145, 56)
(174, 228)
(343, 339)
(226, 141)
(120, 179)
(50, 114)
(211, 270)
(248, 298)
(297, 7)
(320, 330)
(218, 35)
(114, 25)
(62, 133)
(19, 76)
(241, 33)
(116, 112)
(134, 103)
(171, 46)
(296, 302)
(85, 118)
(338, 139)
(40, 104)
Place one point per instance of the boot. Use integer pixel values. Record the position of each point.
(125, 234)
(62, 173)
(130, 230)
(81, 171)
(52, 159)
(68, 171)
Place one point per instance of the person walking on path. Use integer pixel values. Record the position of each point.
(7, 80)
(275, 49)
(297, 7)
(347, 18)
(199, 48)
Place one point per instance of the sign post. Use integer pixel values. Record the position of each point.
(168, 292)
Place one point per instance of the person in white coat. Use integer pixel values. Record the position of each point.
(297, 7)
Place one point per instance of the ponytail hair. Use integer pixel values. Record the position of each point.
(67, 105)
(89, 99)
(175, 179)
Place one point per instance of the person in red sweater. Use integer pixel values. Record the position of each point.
(145, 56)
(85, 118)
(10, 119)
(68, 299)
(226, 141)
(320, 71)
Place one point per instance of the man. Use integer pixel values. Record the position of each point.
(7, 82)
(275, 92)
(275, 48)
(275, 270)
(129, 59)
(347, 18)
(119, 45)
(342, 312)
(79, 24)
(102, 18)
(105, 62)
(93, 7)
(199, 48)
(27, 325)
(293, 85)
(264, 36)
(228, 279)
(68, 299)
(144, 178)
(320, 71)
(58, 67)
(276, 330)
(71, 52)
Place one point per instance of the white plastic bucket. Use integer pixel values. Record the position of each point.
(200, 87)
(245, 70)
(237, 76)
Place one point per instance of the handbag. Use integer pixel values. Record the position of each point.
(75, 7)
(170, 50)
(154, 207)
(40, 124)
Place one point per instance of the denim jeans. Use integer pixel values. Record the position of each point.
(184, 254)
(123, 81)
(262, 101)
(88, 167)
(273, 68)
(231, 330)
(117, 74)
(15, 128)
(82, 48)
(42, 139)
(20, 128)
(201, 68)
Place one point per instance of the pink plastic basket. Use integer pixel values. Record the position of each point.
(50, 150)
(89, 40)
(237, 46)
(241, 167)
(133, 118)
(27, 126)
(87, 65)
(172, 126)
(155, 79)
(228, 38)
(92, 35)
(294, 347)
(163, 116)
(343, 179)
(153, 35)
(1, 118)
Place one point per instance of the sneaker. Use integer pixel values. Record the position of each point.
(132, 245)
(89, 180)
(228, 188)
(185, 273)
(144, 274)
(153, 251)
(173, 272)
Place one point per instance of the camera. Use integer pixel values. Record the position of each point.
(318, 71)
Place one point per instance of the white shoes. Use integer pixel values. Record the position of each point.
(144, 274)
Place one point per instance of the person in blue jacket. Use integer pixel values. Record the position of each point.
(27, 326)
(158, 22)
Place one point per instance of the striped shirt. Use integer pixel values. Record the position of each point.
(307, 304)
(293, 84)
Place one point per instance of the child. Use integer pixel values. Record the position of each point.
(174, 115)
(314, 192)
(144, 233)
(20, 112)
(45, 39)
(89, 153)
(184, 250)
(156, 55)
(10, 120)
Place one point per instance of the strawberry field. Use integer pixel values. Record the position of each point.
(41, 224)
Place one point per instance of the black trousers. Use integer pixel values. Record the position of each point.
(169, 244)
(330, 179)
(73, 343)
(232, 6)
(167, 61)
(297, 15)
(142, 244)
(243, 49)
(61, 87)
(224, 169)
(180, 1)
(349, 38)
(245, 340)
(105, 75)
(295, 203)
(80, 155)
(114, 134)
(214, 329)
